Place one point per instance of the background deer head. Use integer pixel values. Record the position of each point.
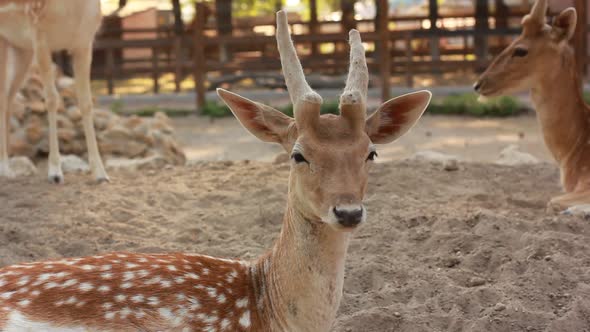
(538, 51)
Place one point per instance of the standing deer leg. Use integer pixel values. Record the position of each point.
(5, 78)
(82, 62)
(47, 71)
(15, 64)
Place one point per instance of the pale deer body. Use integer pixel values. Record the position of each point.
(29, 31)
(296, 286)
(542, 61)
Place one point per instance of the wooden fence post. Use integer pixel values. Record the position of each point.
(383, 47)
(110, 70)
(580, 39)
(155, 70)
(313, 25)
(199, 66)
(178, 63)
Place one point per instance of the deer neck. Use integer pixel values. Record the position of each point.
(298, 284)
(561, 111)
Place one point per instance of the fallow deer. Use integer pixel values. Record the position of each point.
(541, 60)
(296, 286)
(29, 31)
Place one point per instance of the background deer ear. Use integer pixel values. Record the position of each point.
(397, 116)
(262, 121)
(564, 25)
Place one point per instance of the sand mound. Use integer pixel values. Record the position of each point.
(470, 250)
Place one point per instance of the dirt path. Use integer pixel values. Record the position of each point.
(471, 250)
(470, 138)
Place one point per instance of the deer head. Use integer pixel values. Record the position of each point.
(536, 51)
(330, 154)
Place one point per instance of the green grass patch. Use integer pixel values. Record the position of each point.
(467, 104)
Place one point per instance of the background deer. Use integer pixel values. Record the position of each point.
(29, 31)
(542, 60)
(296, 286)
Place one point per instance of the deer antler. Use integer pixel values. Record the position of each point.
(357, 82)
(299, 89)
(539, 10)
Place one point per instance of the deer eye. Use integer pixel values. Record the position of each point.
(372, 155)
(520, 53)
(299, 158)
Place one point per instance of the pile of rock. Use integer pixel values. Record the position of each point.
(118, 136)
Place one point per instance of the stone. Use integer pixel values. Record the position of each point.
(73, 112)
(22, 166)
(63, 121)
(65, 82)
(512, 156)
(155, 161)
(451, 165)
(19, 146)
(66, 134)
(123, 137)
(36, 106)
(449, 162)
(72, 163)
(35, 130)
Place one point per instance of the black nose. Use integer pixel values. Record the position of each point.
(349, 218)
(477, 86)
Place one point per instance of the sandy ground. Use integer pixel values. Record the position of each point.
(471, 250)
(469, 138)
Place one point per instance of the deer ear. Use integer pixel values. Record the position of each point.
(262, 121)
(564, 25)
(397, 116)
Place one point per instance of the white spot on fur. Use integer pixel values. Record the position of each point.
(153, 280)
(245, 319)
(125, 312)
(128, 275)
(131, 265)
(87, 267)
(221, 298)
(120, 298)
(153, 301)
(86, 287)
(24, 303)
(242, 303)
(22, 281)
(106, 275)
(70, 282)
(126, 285)
(137, 298)
(191, 276)
(104, 288)
(106, 267)
(143, 273)
(50, 285)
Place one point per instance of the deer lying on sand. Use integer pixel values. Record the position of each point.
(296, 286)
(29, 31)
(542, 60)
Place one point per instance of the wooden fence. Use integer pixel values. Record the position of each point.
(198, 52)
